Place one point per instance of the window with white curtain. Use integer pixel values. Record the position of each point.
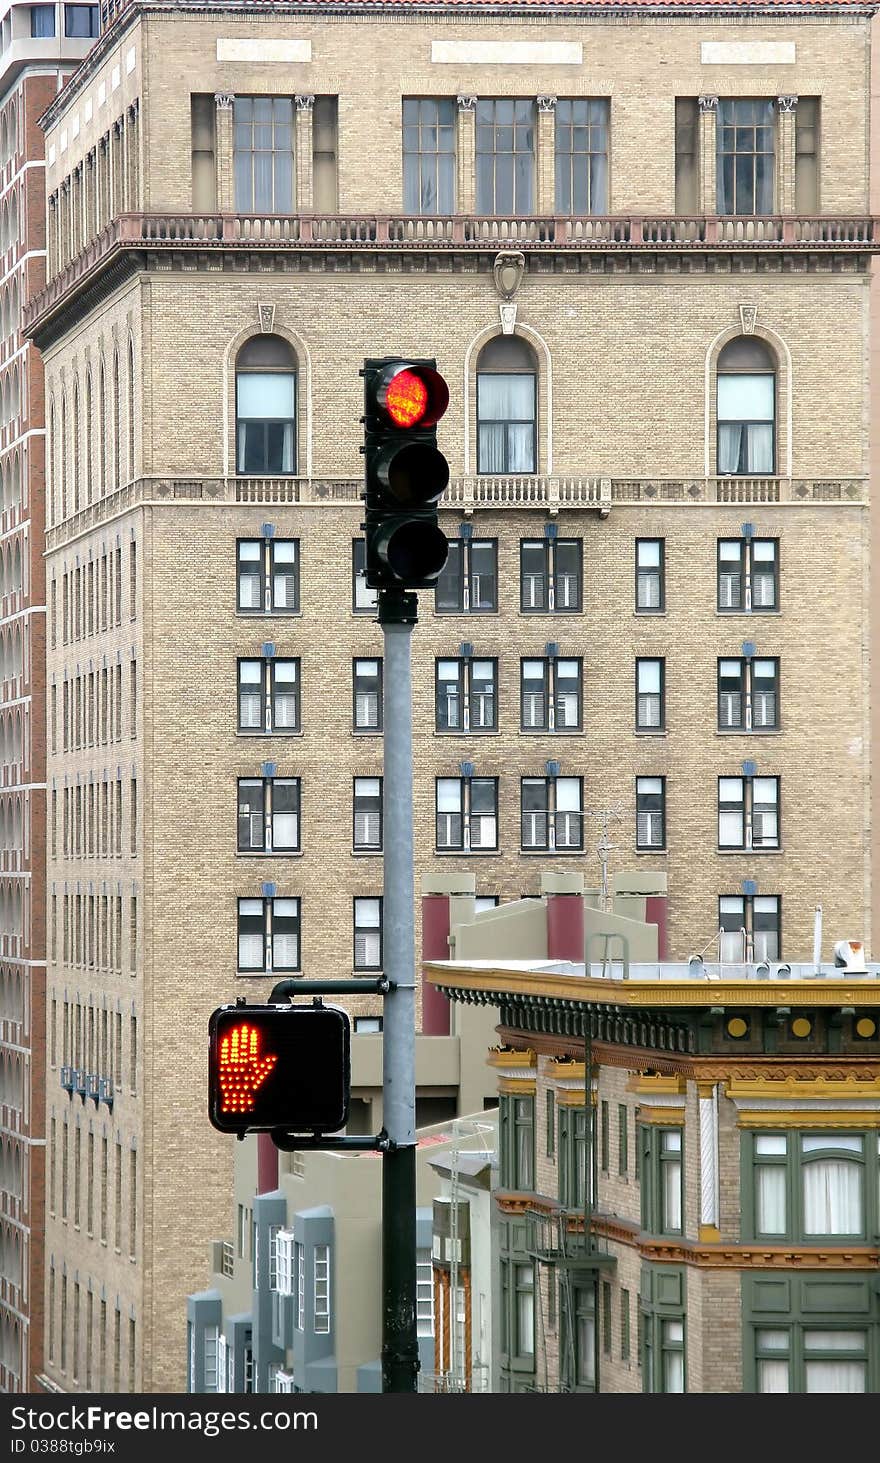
(650, 575)
(650, 695)
(368, 934)
(265, 405)
(670, 1181)
(551, 813)
(810, 1359)
(367, 835)
(507, 407)
(650, 812)
(811, 1185)
(268, 935)
(746, 403)
(672, 1355)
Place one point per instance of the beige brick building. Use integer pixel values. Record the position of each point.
(658, 445)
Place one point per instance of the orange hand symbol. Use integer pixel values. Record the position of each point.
(241, 1069)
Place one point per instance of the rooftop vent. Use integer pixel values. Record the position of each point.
(849, 955)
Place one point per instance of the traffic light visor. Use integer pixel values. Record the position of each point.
(279, 1067)
(412, 396)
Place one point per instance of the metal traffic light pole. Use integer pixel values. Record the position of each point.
(400, 1352)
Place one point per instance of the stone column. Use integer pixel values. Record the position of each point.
(708, 143)
(304, 200)
(223, 149)
(708, 1106)
(466, 144)
(545, 199)
(785, 154)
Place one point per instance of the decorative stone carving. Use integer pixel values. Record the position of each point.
(507, 270)
(507, 311)
(787, 104)
(748, 316)
(267, 318)
(304, 103)
(466, 103)
(546, 104)
(223, 101)
(708, 103)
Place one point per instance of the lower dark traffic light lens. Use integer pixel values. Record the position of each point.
(415, 550)
(416, 473)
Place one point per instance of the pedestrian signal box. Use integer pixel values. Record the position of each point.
(279, 1067)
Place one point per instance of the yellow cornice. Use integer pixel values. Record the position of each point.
(656, 1084)
(566, 1072)
(661, 1116)
(827, 991)
(499, 1058)
(570, 1097)
(815, 1085)
(521, 1086)
(801, 1118)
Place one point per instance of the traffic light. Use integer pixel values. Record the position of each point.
(405, 473)
(285, 1067)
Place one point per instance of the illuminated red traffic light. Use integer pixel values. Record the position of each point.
(279, 1067)
(411, 395)
(406, 399)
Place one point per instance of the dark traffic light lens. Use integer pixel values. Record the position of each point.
(416, 550)
(416, 473)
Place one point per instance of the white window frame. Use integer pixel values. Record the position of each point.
(321, 1276)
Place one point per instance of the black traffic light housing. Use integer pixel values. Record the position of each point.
(405, 473)
(279, 1067)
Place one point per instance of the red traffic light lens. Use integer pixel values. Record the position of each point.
(411, 395)
(406, 399)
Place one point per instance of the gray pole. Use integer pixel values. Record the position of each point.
(400, 1352)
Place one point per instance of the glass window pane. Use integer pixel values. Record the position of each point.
(266, 395)
(649, 676)
(568, 794)
(770, 1186)
(448, 795)
(743, 398)
(775, 1143)
(832, 1196)
(848, 1142)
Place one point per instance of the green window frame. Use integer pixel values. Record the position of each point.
(663, 1328)
(551, 1122)
(624, 1325)
(607, 1318)
(517, 1141)
(802, 1186)
(606, 1135)
(622, 1139)
(572, 1157)
(814, 1331)
(577, 1337)
(662, 1190)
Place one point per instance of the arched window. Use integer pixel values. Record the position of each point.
(746, 407)
(265, 407)
(507, 380)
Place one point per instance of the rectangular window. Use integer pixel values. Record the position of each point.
(203, 112)
(687, 151)
(550, 575)
(810, 1186)
(551, 1122)
(622, 1140)
(268, 576)
(517, 1142)
(367, 835)
(745, 155)
(268, 935)
(506, 415)
(605, 1141)
(505, 156)
(585, 1337)
(263, 154)
(650, 812)
(552, 813)
(524, 1282)
(748, 694)
(268, 815)
(467, 814)
(650, 576)
(424, 1293)
(624, 1325)
(661, 1179)
(322, 1289)
(750, 927)
(43, 20)
(299, 1263)
(607, 1337)
(368, 934)
(268, 695)
(364, 599)
(550, 694)
(806, 155)
(82, 22)
(469, 581)
(748, 574)
(429, 125)
(325, 134)
(466, 695)
(748, 812)
(582, 156)
(367, 692)
(833, 1361)
(650, 695)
